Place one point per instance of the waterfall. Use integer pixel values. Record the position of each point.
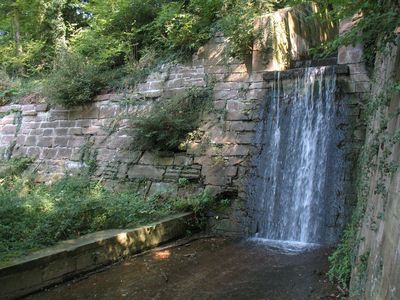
(296, 185)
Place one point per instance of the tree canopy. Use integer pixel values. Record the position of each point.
(37, 35)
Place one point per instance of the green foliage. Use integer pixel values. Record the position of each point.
(374, 28)
(237, 23)
(104, 50)
(169, 121)
(32, 61)
(111, 34)
(8, 88)
(14, 166)
(75, 81)
(183, 182)
(200, 204)
(33, 216)
(342, 259)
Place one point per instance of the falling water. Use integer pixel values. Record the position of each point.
(295, 189)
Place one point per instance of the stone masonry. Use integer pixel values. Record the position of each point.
(100, 134)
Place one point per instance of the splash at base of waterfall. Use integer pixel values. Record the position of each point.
(286, 247)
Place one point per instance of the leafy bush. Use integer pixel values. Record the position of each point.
(75, 81)
(104, 50)
(33, 216)
(31, 61)
(183, 28)
(14, 166)
(365, 30)
(8, 87)
(170, 120)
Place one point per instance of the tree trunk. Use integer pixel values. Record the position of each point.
(17, 34)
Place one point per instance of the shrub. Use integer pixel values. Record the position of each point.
(8, 88)
(34, 215)
(33, 60)
(181, 28)
(170, 120)
(14, 166)
(75, 81)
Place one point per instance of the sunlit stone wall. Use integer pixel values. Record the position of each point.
(62, 141)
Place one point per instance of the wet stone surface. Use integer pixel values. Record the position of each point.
(211, 268)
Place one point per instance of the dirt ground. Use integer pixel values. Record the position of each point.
(207, 268)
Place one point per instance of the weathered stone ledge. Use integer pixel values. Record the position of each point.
(315, 62)
(73, 257)
(298, 72)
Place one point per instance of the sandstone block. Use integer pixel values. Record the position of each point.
(58, 115)
(7, 139)
(37, 131)
(60, 131)
(20, 139)
(79, 123)
(119, 142)
(48, 153)
(53, 124)
(235, 150)
(238, 116)
(183, 160)
(221, 86)
(215, 175)
(8, 129)
(76, 141)
(86, 112)
(41, 107)
(7, 120)
(156, 85)
(162, 188)
(246, 138)
(350, 54)
(93, 130)
(219, 104)
(30, 141)
(256, 94)
(151, 93)
(64, 153)
(44, 141)
(236, 77)
(190, 173)
(104, 154)
(241, 126)
(75, 131)
(108, 111)
(48, 132)
(363, 87)
(33, 152)
(31, 113)
(60, 141)
(150, 172)
(150, 158)
(172, 174)
(226, 94)
(122, 171)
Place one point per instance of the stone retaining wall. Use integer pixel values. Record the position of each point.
(217, 158)
(376, 268)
